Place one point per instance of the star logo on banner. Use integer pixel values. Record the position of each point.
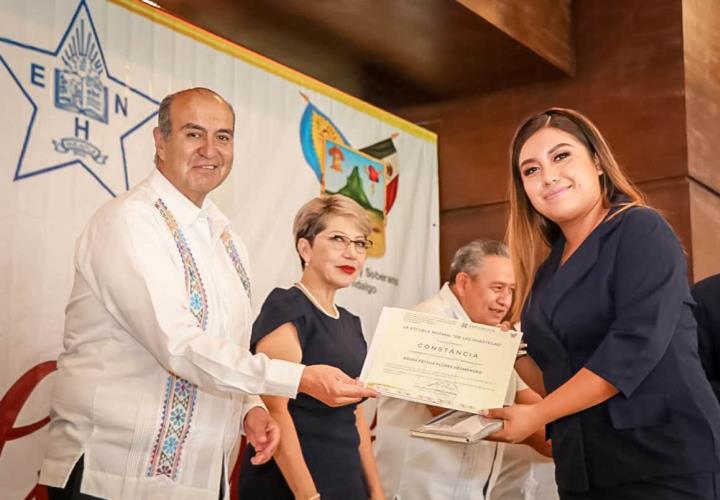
(81, 114)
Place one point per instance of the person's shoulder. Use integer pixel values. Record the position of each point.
(645, 223)
(638, 217)
(137, 199)
(709, 286)
(646, 237)
(127, 209)
(281, 306)
(632, 214)
(279, 296)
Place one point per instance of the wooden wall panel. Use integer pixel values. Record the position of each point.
(541, 25)
(395, 53)
(460, 226)
(701, 21)
(701, 35)
(672, 198)
(705, 223)
(629, 80)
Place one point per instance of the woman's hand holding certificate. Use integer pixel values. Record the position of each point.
(440, 361)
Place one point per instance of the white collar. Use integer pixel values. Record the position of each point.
(451, 300)
(185, 212)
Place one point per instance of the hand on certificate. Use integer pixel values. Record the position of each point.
(520, 421)
(263, 434)
(506, 326)
(332, 386)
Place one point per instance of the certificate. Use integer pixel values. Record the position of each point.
(440, 361)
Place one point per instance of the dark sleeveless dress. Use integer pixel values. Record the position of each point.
(328, 436)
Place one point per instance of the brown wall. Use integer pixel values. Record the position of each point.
(629, 80)
(701, 37)
(705, 223)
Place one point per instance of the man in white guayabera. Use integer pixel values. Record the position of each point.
(155, 382)
(480, 290)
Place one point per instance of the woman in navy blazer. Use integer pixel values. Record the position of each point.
(607, 316)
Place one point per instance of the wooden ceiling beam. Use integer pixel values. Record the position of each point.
(543, 26)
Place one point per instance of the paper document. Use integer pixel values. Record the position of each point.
(440, 361)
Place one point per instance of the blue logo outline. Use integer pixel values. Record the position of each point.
(18, 175)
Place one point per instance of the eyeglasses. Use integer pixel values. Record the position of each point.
(341, 242)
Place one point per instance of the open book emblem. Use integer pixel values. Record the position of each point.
(78, 85)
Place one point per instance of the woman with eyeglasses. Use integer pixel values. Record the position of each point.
(323, 451)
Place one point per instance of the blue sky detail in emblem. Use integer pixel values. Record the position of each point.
(81, 114)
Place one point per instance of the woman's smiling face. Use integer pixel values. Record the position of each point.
(333, 256)
(559, 175)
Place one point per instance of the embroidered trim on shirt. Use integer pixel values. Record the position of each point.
(180, 394)
(232, 252)
(178, 406)
(193, 281)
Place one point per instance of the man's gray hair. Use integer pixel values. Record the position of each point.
(470, 258)
(164, 115)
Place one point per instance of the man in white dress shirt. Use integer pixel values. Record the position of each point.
(480, 290)
(155, 382)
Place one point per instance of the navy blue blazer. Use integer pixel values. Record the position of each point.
(620, 306)
(707, 313)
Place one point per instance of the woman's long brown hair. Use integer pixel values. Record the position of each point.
(529, 234)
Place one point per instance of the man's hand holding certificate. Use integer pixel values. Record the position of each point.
(440, 361)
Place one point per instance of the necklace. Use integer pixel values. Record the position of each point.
(316, 303)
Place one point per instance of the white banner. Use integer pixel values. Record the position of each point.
(80, 84)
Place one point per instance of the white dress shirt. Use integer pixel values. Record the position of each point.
(154, 381)
(415, 468)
